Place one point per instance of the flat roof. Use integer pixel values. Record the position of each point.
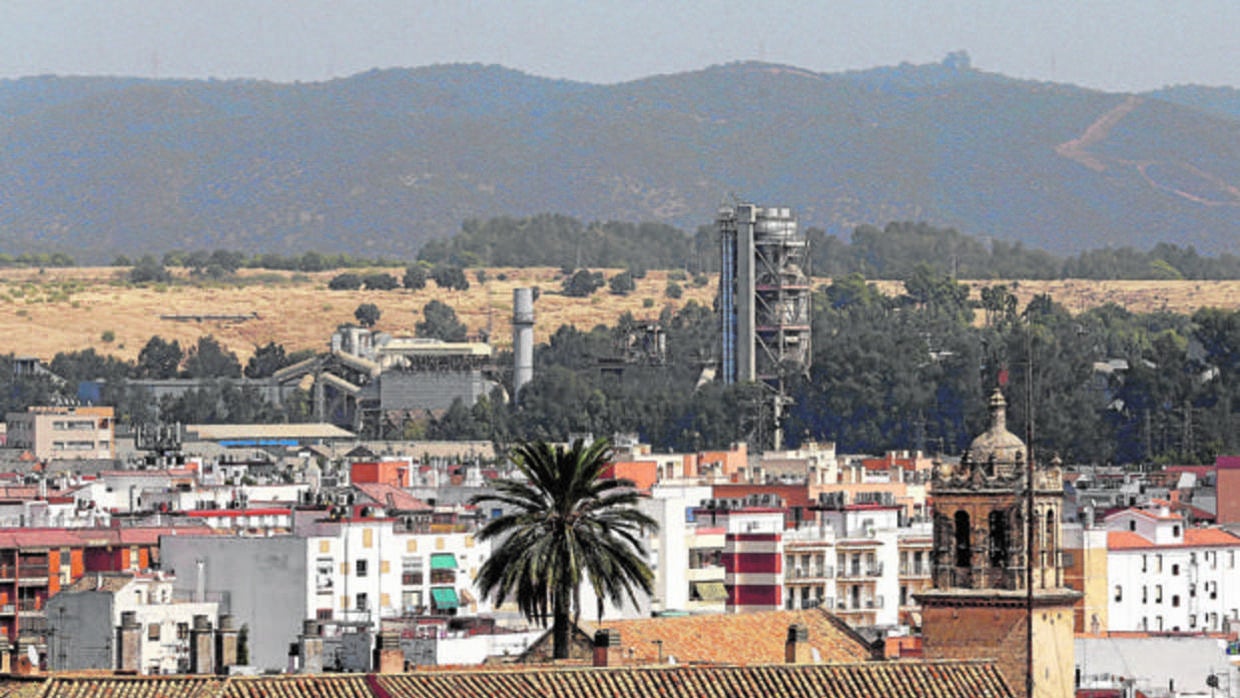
(238, 432)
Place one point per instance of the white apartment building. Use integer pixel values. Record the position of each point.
(84, 619)
(1163, 576)
(346, 570)
(856, 561)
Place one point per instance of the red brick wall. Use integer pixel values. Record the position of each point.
(978, 632)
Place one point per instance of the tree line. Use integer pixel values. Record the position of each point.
(908, 372)
(890, 252)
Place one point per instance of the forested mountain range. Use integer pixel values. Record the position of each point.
(379, 163)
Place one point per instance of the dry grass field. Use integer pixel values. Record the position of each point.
(44, 312)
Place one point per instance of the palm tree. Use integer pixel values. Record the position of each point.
(564, 523)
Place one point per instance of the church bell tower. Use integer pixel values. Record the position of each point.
(986, 536)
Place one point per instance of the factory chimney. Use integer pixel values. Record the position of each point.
(522, 340)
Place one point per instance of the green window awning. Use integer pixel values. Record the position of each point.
(443, 561)
(711, 591)
(445, 599)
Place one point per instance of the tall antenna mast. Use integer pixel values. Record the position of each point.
(1029, 511)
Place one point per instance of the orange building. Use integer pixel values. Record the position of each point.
(396, 473)
(644, 474)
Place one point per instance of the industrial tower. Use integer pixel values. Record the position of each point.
(522, 340)
(764, 300)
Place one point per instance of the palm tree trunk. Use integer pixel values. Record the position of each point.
(561, 625)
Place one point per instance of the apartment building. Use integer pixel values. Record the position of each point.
(87, 618)
(347, 568)
(1165, 576)
(63, 433)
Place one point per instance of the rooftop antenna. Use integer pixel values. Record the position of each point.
(1029, 512)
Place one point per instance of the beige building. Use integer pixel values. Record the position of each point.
(63, 433)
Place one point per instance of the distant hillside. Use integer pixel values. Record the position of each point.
(378, 163)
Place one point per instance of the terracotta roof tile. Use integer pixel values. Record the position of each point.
(1120, 540)
(955, 679)
(735, 638)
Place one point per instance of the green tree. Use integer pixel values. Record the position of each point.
(622, 284)
(439, 322)
(209, 359)
(159, 359)
(450, 277)
(347, 281)
(367, 314)
(266, 360)
(582, 283)
(565, 525)
(380, 281)
(415, 277)
(149, 270)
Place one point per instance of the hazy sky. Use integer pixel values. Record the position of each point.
(1118, 45)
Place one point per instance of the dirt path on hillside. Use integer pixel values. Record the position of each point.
(1077, 149)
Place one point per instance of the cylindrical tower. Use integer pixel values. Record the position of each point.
(522, 340)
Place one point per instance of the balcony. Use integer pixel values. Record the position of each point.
(915, 570)
(807, 574)
(32, 574)
(30, 606)
(411, 579)
(859, 605)
(861, 571)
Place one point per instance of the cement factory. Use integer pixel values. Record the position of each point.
(368, 381)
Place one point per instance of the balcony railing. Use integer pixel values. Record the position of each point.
(864, 604)
(855, 571)
(28, 605)
(811, 572)
(914, 570)
(411, 578)
(33, 571)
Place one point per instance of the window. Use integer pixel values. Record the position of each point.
(411, 571)
(1145, 594)
(1158, 623)
(1192, 620)
(1175, 531)
(1158, 563)
(411, 601)
(1175, 601)
(362, 603)
(1132, 525)
(1145, 563)
(1158, 593)
(182, 631)
(152, 631)
(362, 568)
(964, 546)
(323, 614)
(1119, 593)
(1212, 587)
(1175, 570)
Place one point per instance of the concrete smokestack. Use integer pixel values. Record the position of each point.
(522, 339)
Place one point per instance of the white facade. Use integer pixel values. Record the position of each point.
(364, 568)
(851, 564)
(1165, 577)
(84, 622)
